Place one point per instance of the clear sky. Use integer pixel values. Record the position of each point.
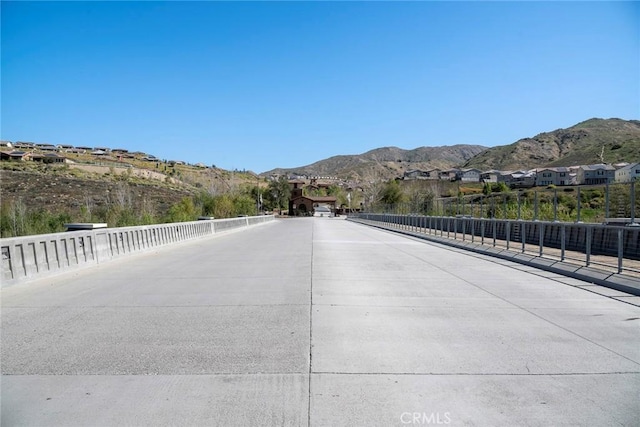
(260, 85)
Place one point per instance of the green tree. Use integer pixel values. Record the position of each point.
(391, 193)
(279, 193)
(184, 210)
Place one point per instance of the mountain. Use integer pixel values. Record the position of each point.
(592, 141)
(387, 162)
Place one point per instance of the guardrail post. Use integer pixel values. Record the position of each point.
(588, 243)
(620, 249)
(473, 231)
(493, 222)
(606, 200)
(555, 205)
(633, 202)
(464, 229)
(508, 232)
(562, 241)
(523, 234)
(482, 223)
(541, 239)
(455, 228)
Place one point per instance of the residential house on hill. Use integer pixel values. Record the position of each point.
(553, 176)
(490, 176)
(48, 158)
(596, 174)
(519, 179)
(628, 173)
(22, 145)
(46, 147)
(449, 174)
(415, 174)
(470, 175)
(15, 156)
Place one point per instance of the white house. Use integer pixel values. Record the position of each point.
(553, 176)
(628, 173)
(470, 175)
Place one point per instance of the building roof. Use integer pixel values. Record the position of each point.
(557, 169)
(629, 167)
(15, 153)
(597, 167)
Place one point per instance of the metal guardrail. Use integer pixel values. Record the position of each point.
(32, 257)
(616, 248)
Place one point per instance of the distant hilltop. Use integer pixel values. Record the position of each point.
(592, 141)
(386, 162)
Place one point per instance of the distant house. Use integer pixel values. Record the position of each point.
(120, 150)
(415, 174)
(15, 156)
(490, 176)
(470, 175)
(449, 175)
(519, 179)
(105, 149)
(6, 144)
(24, 145)
(85, 149)
(64, 147)
(75, 150)
(433, 173)
(596, 174)
(46, 147)
(553, 176)
(48, 158)
(306, 205)
(628, 173)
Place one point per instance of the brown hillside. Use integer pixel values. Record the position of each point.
(592, 141)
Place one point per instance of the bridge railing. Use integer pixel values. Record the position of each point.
(613, 248)
(31, 257)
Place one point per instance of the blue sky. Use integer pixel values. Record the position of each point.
(260, 85)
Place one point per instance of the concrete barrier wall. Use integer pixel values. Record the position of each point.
(33, 257)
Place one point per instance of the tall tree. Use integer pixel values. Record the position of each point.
(280, 193)
(391, 193)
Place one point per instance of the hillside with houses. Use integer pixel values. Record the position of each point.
(85, 181)
(594, 174)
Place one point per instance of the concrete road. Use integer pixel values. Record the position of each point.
(321, 322)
